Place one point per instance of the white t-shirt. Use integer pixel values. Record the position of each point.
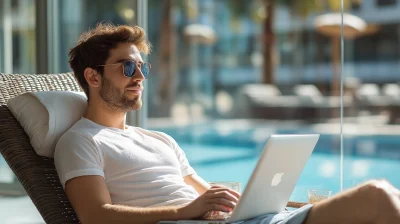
(141, 168)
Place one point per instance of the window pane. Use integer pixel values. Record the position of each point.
(371, 78)
(18, 36)
(77, 16)
(224, 80)
(18, 55)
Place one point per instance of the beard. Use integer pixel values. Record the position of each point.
(116, 99)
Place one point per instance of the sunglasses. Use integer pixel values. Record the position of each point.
(129, 68)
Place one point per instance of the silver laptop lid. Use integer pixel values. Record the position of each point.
(275, 175)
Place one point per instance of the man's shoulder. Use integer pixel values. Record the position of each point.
(81, 130)
(75, 140)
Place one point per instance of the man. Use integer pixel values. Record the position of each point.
(114, 173)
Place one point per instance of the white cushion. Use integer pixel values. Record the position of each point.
(307, 91)
(45, 116)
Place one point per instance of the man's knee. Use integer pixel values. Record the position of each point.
(373, 197)
(376, 189)
(378, 193)
(384, 198)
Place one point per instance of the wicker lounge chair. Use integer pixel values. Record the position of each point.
(37, 174)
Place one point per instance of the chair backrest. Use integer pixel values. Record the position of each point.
(37, 174)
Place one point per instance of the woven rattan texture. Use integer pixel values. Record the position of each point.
(37, 174)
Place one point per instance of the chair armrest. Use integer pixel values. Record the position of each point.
(294, 204)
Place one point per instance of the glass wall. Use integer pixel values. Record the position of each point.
(17, 55)
(17, 36)
(372, 66)
(18, 33)
(77, 16)
(228, 74)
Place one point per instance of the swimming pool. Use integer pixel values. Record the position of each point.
(322, 171)
(232, 157)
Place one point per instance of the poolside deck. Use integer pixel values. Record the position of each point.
(362, 125)
(18, 210)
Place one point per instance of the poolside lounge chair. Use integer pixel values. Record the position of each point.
(392, 92)
(369, 98)
(37, 174)
(267, 102)
(322, 106)
(254, 98)
(306, 103)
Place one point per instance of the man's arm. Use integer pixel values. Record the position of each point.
(197, 183)
(91, 200)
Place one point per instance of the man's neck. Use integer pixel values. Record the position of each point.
(104, 115)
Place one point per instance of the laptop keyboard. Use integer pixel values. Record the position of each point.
(217, 215)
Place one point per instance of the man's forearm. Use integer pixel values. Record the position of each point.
(123, 214)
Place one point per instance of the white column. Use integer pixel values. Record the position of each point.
(53, 36)
(7, 37)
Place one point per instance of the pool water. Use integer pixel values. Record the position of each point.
(322, 171)
(229, 151)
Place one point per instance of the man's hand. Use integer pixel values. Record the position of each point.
(217, 198)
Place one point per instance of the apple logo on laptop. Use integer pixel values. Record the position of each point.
(277, 179)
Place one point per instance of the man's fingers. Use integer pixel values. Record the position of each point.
(218, 207)
(222, 201)
(235, 193)
(224, 193)
(217, 188)
(221, 195)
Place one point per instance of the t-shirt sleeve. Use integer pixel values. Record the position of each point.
(77, 155)
(186, 169)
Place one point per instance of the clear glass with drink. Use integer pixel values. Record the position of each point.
(236, 186)
(317, 195)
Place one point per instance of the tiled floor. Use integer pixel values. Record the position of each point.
(18, 210)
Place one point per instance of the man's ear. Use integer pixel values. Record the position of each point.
(92, 77)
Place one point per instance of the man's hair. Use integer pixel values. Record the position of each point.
(93, 48)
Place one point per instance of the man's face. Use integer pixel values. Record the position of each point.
(119, 92)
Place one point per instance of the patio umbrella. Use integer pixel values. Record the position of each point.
(330, 25)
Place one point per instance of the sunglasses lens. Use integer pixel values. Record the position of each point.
(129, 68)
(145, 68)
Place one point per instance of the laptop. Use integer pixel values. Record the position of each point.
(273, 179)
